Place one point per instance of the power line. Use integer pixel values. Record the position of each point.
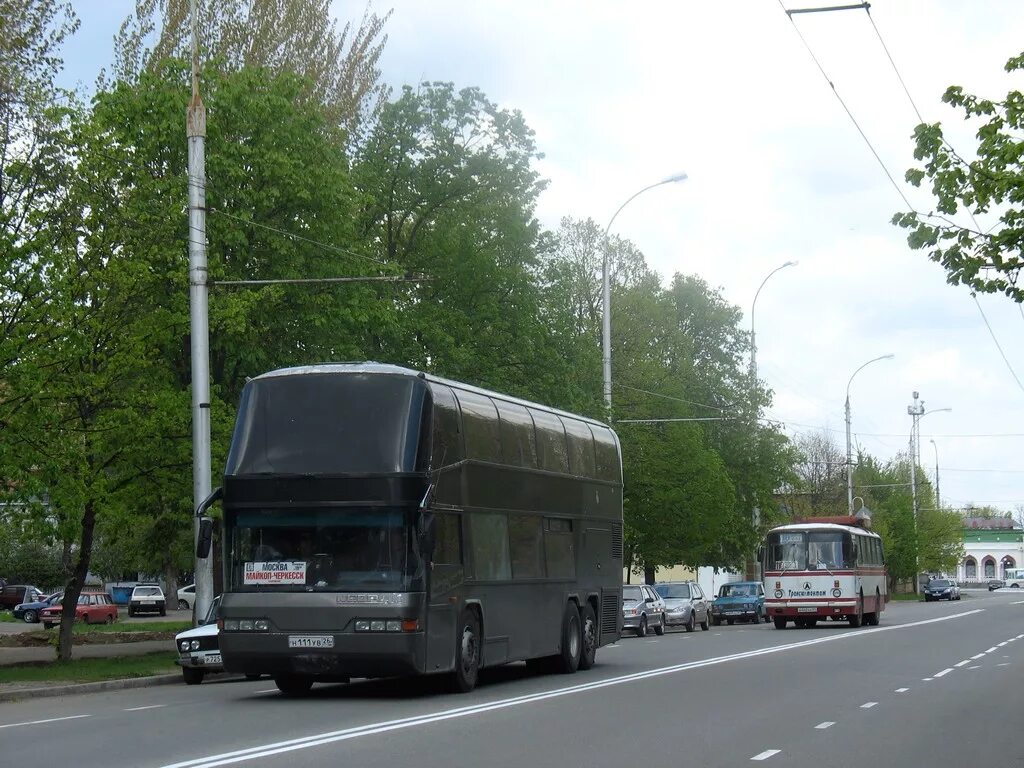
(996, 341)
(853, 119)
(821, 428)
(668, 397)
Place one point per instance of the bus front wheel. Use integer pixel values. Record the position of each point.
(780, 622)
(588, 626)
(293, 685)
(467, 653)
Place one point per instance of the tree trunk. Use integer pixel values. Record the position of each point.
(648, 574)
(74, 586)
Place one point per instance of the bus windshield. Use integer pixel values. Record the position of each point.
(810, 550)
(330, 550)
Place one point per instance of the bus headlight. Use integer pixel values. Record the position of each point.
(230, 625)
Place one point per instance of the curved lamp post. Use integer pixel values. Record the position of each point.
(849, 445)
(606, 324)
(753, 306)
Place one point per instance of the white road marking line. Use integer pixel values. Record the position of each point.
(976, 666)
(990, 649)
(1001, 644)
(926, 679)
(902, 690)
(268, 690)
(963, 663)
(766, 754)
(370, 729)
(823, 726)
(1004, 664)
(1019, 602)
(149, 706)
(868, 705)
(946, 671)
(48, 720)
(977, 656)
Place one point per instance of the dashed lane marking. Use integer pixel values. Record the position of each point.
(766, 754)
(990, 649)
(826, 724)
(977, 656)
(1003, 664)
(148, 706)
(926, 679)
(902, 690)
(963, 663)
(946, 671)
(868, 704)
(976, 666)
(48, 720)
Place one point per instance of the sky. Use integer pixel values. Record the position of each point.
(625, 94)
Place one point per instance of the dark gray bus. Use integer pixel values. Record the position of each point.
(379, 521)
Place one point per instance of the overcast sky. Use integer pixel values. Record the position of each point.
(623, 94)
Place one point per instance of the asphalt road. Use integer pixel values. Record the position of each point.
(937, 684)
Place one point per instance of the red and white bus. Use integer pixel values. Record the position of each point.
(823, 568)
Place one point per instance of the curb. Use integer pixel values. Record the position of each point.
(106, 685)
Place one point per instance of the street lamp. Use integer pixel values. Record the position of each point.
(606, 325)
(849, 445)
(938, 499)
(753, 337)
(917, 441)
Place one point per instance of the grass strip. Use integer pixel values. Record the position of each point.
(91, 670)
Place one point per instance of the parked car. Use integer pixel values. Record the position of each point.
(29, 611)
(642, 609)
(147, 598)
(187, 597)
(199, 648)
(739, 601)
(685, 604)
(92, 608)
(14, 594)
(941, 589)
(995, 584)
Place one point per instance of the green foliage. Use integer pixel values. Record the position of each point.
(987, 259)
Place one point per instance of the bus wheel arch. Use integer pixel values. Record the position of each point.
(856, 619)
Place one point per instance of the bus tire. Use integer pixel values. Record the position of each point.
(856, 619)
(588, 628)
(293, 685)
(871, 619)
(780, 622)
(568, 659)
(467, 653)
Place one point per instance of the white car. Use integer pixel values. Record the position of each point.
(187, 597)
(199, 649)
(147, 598)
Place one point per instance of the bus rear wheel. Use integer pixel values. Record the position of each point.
(588, 627)
(568, 659)
(780, 622)
(467, 653)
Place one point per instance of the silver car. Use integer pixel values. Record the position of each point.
(642, 608)
(685, 604)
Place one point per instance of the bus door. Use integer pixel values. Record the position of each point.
(445, 579)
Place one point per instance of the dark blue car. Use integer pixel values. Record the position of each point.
(29, 612)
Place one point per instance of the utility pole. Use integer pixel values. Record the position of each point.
(915, 410)
(199, 335)
(938, 497)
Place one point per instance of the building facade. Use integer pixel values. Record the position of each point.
(990, 547)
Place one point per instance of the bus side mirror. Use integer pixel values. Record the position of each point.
(205, 539)
(426, 535)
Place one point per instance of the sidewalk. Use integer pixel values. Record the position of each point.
(10, 656)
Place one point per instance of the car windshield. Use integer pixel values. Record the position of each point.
(632, 594)
(941, 584)
(147, 592)
(673, 591)
(366, 549)
(738, 590)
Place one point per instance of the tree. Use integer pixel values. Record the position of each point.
(987, 259)
(298, 37)
(820, 485)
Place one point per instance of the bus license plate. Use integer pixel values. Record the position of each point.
(806, 609)
(310, 641)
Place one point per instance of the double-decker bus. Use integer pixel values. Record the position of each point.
(824, 568)
(380, 522)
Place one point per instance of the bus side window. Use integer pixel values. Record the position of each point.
(527, 543)
(448, 532)
(489, 541)
(552, 447)
(480, 423)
